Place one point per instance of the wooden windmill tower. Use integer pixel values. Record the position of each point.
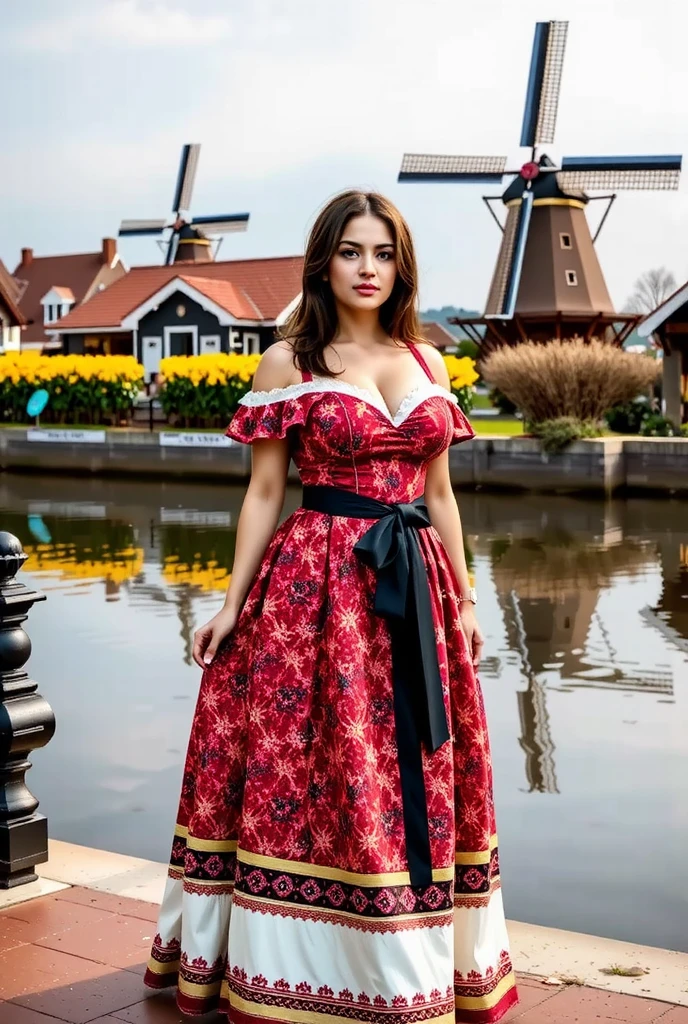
(547, 282)
(188, 240)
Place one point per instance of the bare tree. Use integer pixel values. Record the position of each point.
(650, 290)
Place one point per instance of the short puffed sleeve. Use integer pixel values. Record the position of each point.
(461, 428)
(267, 415)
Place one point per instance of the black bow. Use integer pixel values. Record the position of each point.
(402, 596)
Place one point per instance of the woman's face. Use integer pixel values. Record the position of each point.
(363, 270)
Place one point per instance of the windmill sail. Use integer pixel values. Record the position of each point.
(544, 82)
(186, 177)
(502, 300)
(425, 167)
(620, 172)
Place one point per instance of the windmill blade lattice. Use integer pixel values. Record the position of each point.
(658, 173)
(222, 225)
(142, 227)
(508, 273)
(186, 177)
(426, 167)
(544, 83)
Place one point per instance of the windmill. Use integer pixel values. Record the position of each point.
(547, 280)
(187, 240)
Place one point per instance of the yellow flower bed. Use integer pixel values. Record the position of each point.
(90, 389)
(205, 390)
(69, 562)
(206, 576)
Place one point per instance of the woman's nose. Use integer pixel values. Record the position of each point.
(366, 268)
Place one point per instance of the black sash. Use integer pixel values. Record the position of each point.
(402, 595)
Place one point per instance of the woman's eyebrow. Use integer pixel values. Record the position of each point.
(382, 245)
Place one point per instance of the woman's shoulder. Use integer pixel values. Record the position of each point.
(435, 362)
(277, 368)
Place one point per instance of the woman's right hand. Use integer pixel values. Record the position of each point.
(207, 638)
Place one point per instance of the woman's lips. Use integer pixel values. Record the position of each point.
(366, 289)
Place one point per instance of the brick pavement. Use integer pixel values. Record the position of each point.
(78, 956)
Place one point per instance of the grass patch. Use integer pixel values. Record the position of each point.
(506, 428)
(625, 972)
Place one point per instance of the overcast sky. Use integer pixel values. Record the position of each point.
(293, 100)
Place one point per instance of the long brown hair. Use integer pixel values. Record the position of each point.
(313, 324)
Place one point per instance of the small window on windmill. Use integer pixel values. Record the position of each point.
(571, 277)
(565, 240)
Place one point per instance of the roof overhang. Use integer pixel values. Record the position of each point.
(282, 317)
(178, 284)
(58, 293)
(660, 315)
(54, 331)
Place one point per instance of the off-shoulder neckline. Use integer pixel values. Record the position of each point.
(418, 394)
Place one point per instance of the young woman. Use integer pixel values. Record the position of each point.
(335, 853)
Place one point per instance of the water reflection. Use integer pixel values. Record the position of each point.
(585, 609)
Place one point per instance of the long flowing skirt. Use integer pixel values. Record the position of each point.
(289, 896)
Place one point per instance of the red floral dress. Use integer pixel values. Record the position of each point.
(289, 890)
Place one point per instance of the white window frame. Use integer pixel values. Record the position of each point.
(210, 337)
(569, 275)
(251, 343)
(169, 331)
(562, 236)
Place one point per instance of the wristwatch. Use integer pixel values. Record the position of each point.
(472, 596)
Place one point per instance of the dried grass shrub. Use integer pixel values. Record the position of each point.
(568, 378)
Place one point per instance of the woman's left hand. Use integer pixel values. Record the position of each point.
(473, 632)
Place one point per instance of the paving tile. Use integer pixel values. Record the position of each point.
(108, 901)
(118, 941)
(630, 1009)
(161, 1008)
(85, 1000)
(676, 1015)
(10, 1013)
(48, 916)
(576, 1005)
(529, 996)
(30, 969)
(13, 933)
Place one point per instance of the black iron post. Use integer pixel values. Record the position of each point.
(27, 722)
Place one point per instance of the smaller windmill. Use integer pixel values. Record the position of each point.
(188, 236)
(547, 279)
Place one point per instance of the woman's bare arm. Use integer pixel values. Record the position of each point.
(260, 510)
(446, 519)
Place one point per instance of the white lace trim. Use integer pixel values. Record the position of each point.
(415, 397)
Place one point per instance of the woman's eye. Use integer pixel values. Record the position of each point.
(348, 252)
(386, 256)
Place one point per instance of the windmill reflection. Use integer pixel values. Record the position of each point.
(548, 589)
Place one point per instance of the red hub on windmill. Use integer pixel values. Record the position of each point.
(530, 170)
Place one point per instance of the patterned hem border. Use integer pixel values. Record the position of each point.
(253, 904)
(463, 901)
(301, 1005)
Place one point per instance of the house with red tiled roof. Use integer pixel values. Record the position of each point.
(49, 287)
(438, 335)
(11, 318)
(185, 309)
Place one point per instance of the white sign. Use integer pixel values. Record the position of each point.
(67, 436)
(194, 517)
(193, 440)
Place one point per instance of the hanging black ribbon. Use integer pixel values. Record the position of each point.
(402, 596)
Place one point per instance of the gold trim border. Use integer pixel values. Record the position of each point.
(297, 1016)
(206, 845)
(258, 860)
(487, 1002)
(155, 967)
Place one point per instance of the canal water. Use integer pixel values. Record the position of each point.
(584, 605)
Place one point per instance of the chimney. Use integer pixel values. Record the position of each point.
(109, 251)
(27, 257)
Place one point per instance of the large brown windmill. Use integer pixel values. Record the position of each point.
(547, 282)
